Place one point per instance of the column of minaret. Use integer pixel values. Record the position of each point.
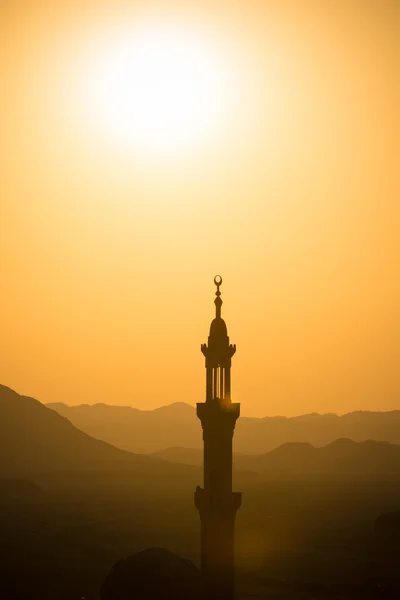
(216, 502)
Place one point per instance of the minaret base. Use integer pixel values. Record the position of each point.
(217, 517)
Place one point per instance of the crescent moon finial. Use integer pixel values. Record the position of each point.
(218, 280)
(218, 301)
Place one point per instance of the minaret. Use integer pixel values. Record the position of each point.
(216, 503)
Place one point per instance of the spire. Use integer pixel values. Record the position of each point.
(218, 301)
(216, 502)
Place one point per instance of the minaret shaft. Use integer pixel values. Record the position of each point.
(216, 502)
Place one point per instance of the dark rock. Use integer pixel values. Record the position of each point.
(153, 574)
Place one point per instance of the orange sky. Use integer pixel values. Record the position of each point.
(107, 260)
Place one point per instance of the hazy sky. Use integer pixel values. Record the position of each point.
(284, 179)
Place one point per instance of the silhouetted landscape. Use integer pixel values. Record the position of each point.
(200, 324)
(340, 459)
(176, 426)
(316, 521)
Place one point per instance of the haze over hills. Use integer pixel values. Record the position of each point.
(136, 430)
(37, 440)
(340, 459)
(307, 514)
(177, 426)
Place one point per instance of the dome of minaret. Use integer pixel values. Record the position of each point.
(218, 328)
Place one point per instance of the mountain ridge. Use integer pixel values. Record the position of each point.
(177, 425)
(97, 405)
(36, 439)
(342, 458)
(301, 417)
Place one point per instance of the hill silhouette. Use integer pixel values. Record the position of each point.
(142, 431)
(153, 574)
(177, 426)
(340, 459)
(35, 439)
(307, 520)
(38, 440)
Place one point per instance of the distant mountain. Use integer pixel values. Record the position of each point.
(257, 436)
(177, 426)
(136, 430)
(340, 459)
(37, 440)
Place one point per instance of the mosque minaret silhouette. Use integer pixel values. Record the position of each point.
(216, 502)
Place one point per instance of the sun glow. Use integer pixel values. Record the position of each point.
(159, 89)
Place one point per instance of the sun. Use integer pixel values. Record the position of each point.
(159, 89)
